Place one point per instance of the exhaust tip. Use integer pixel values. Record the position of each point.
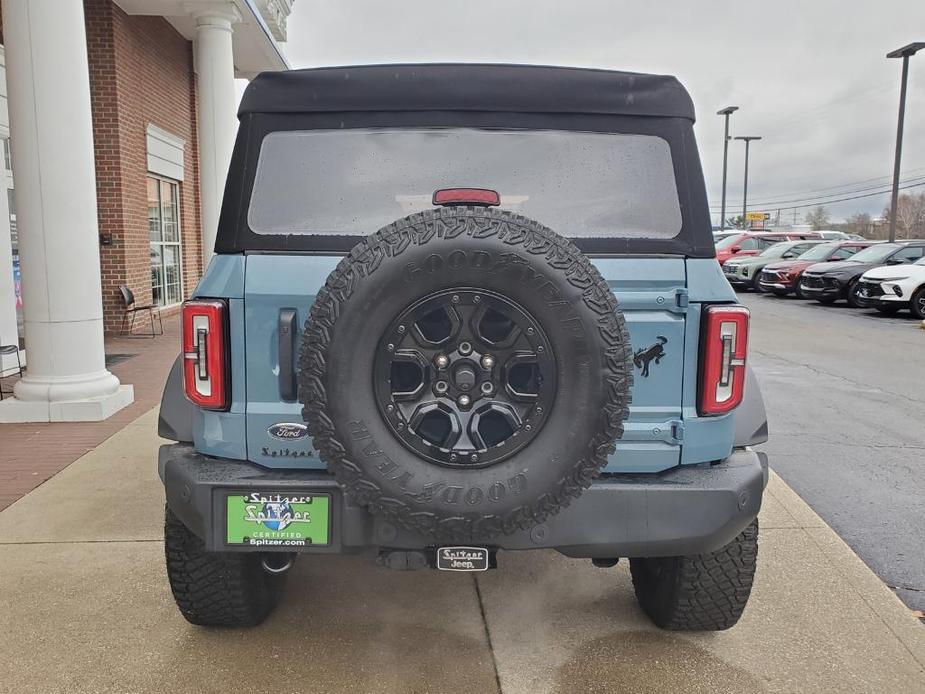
(276, 563)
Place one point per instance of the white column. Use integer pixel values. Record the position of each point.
(49, 104)
(9, 331)
(218, 123)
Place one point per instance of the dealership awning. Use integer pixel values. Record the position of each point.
(256, 30)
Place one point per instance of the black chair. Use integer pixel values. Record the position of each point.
(4, 350)
(132, 309)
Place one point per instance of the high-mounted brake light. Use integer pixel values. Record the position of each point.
(722, 366)
(466, 196)
(204, 353)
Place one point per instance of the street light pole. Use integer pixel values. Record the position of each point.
(747, 140)
(905, 53)
(725, 112)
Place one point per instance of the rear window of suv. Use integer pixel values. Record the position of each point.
(355, 181)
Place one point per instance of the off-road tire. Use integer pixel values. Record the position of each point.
(217, 589)
(701, 592)
(333, 385)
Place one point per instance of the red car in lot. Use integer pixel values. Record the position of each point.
(783, 277)
(753, 242)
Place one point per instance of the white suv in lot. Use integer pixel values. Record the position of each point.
(890, 288)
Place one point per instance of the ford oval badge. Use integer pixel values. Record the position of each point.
(288, 431)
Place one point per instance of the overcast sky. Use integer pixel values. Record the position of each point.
(809, 77)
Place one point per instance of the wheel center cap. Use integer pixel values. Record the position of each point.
(464, 376)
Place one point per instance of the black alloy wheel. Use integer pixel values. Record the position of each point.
(465, 377)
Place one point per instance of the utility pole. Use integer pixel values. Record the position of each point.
(747, 139)
(905, 53)
(728, 111)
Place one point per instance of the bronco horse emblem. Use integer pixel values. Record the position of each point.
(643, 356)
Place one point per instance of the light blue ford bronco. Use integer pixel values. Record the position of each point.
(457, 309)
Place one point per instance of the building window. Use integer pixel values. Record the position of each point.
(164, 234)
(14, 231)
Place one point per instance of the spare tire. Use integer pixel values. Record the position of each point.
(465, 372)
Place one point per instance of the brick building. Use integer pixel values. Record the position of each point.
(154, 144)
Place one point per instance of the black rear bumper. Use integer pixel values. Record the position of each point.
(685, 510)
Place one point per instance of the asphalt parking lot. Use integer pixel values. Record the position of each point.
(845, 392)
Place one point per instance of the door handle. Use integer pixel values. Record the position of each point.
(287, 333)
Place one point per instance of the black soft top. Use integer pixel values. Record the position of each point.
(467, 87)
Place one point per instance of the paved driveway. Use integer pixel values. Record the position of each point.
(846, 401)
(86, 608)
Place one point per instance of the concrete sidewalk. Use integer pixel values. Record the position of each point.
(87, 608)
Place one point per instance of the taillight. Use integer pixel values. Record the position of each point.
(722, 366)
(466, 196)
(204, 353)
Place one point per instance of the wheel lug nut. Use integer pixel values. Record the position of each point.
(465, 348)
(464, 401)
(442, 361)
(440, 387)
(487, 387)
(488, 361)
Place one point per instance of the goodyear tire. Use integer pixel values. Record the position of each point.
(491, 322)
(700, 592)
(216, 589)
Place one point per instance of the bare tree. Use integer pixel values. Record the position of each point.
(818, 218)
(735, 222)
(910, 215)
(860, 223)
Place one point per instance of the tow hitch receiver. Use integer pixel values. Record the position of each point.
(465, 559)
(443, 558)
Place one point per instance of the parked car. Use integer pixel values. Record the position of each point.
(829, 282)
(831, 235)
(782, 278)
(890, 289)
(747, 243)
(743, 272)
(442, 388)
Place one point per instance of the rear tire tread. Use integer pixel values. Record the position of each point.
(216, 588)
(701, 592)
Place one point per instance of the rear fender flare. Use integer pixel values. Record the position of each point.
(175, 420)
(751, 420)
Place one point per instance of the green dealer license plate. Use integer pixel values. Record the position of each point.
(278, 519)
